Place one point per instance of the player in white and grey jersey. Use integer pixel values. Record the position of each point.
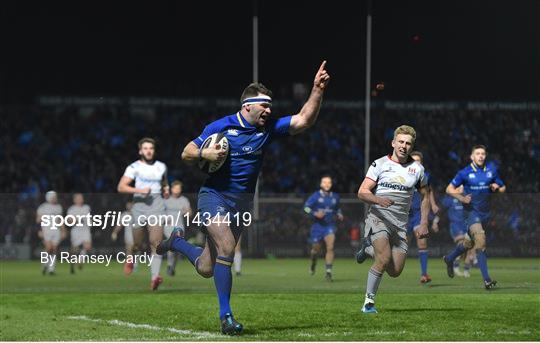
(128, 235)
(80, 232)
(388, 189)
(50, 234)
(150, 178)
(176, 206)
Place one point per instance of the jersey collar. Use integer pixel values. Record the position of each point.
(321, 192)
(475, 167)
(409, 159)
(242, 121)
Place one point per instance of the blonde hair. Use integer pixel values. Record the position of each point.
(405, 130)
(177, 183)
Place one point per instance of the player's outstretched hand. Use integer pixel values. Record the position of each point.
(321, 78)
(494, 187)
(384, 202)
(213, 154)
(422, 231)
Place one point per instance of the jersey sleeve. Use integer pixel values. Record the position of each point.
(310, 203)
(210, 129)
(130, 171)
(423, 179)
(280, 127)
(338, 205)
(497, 179)
(374, 171)
(457, 180)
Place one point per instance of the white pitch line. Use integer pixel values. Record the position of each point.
(197, 334)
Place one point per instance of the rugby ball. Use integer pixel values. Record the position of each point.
(212, 140)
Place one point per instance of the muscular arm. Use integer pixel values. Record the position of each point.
(190, 155)
(365, 194)
(432, 202)
(124, 187)
(425, 204)
(310, 111)
(453, 192)
(308, 114)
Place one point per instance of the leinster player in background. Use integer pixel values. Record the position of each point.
(479, 180)
(323, 207)
(388, 189)
(414, 221)
(229, 191)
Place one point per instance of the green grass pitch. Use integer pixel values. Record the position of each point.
(274, 299)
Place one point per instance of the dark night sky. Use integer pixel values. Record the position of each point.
(477, 50)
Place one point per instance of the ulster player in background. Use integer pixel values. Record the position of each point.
(150, 178)
(388, 189)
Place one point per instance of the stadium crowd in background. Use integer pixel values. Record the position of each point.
(85, 149)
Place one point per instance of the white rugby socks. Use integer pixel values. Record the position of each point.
(238, 262)
(155, 265)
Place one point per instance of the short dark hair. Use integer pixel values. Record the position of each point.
(255, 89)
(419, 154)
(146, 140)
(327, 176)
(479, 146)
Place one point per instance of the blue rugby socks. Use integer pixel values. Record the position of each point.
(223, 283)
(192, 252)
(459, 249)
(482, 264)
(423, 257)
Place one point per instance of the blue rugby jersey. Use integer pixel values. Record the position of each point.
(329, 203)
(454, 209)
(238, 175)
(476, 181)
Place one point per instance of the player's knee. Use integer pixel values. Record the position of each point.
(480, 240)
(421, 243)
(382, 262)
(206, 271)
(393, 272)
(225, 250)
